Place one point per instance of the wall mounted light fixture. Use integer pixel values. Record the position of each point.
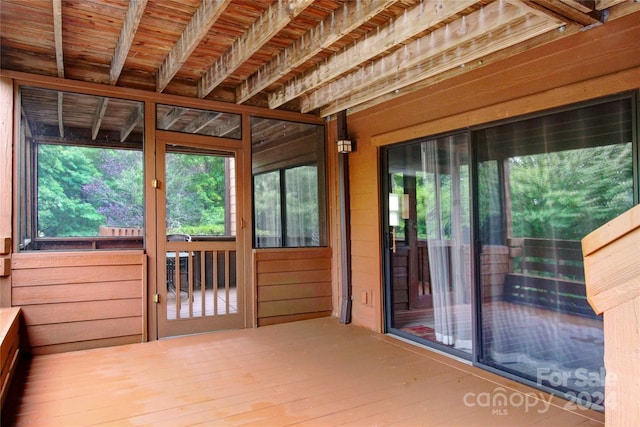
(344, 143)
(344, 146)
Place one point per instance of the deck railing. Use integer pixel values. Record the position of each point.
(547, 273)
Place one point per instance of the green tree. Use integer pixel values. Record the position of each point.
(195, 194)
(63, 209)
(567, 194)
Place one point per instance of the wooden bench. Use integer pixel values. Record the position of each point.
(9, 348)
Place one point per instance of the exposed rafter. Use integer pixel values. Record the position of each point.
(131, 21)
(201, 122)
(227, 128)
(61, 114)
(341, 22)
(558, 7)
(196, 30)
(501, 36)
(293, 55)
(604, 4)
(472, 26)
(486, 60)
(261, 31)
(173, 115)
(98, 117)
(57, 35)
(134, 118)
(418, 19)
(584, 6)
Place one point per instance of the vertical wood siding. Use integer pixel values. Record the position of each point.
(292, 284)
(73, 301)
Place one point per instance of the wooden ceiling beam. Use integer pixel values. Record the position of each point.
(61, 114)
(584, 6)
(195, 31)
(333, 28)
(416, 20)
(125, 40)
(605, 4)
(172, 116)
(470, 27)
(134, 117)
(98, 117)
(508, 35)
(228, 127)
(486, 60)
(565, 10)
(201, 122)
(279, 15)
(57, 36)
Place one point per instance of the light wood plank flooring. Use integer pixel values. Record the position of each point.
(310, 373)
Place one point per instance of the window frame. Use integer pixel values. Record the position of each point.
(124, 238)
(320, 165)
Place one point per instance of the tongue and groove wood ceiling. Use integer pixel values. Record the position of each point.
(312, 56)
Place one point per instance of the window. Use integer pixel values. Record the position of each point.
(201, 122)
(81, 163)
(288, 184)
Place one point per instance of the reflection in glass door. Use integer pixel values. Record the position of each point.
(201, 264)
(430, 275)
(543, 184)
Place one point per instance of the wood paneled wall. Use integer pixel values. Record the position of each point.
(292, 284)
(73, 301)
(590, 64)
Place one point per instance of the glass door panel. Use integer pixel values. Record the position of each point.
(543, 184)
(430, 257)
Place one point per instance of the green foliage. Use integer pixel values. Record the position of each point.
(63, 209)
(195, 194)
(565, 195)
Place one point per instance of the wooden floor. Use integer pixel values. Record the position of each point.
(311, 373)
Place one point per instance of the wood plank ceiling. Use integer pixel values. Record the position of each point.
(312, 56)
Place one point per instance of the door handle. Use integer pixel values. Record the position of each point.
(393, 239)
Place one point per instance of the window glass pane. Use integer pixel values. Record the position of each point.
(268, 220)
(81, 168)
(543, 184)
(199, 199)
(302, 206)
(195, 121)
(431, 260)
(288, 164)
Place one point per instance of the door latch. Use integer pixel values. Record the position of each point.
(156, 298)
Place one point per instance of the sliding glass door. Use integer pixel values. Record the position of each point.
(483, 256)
